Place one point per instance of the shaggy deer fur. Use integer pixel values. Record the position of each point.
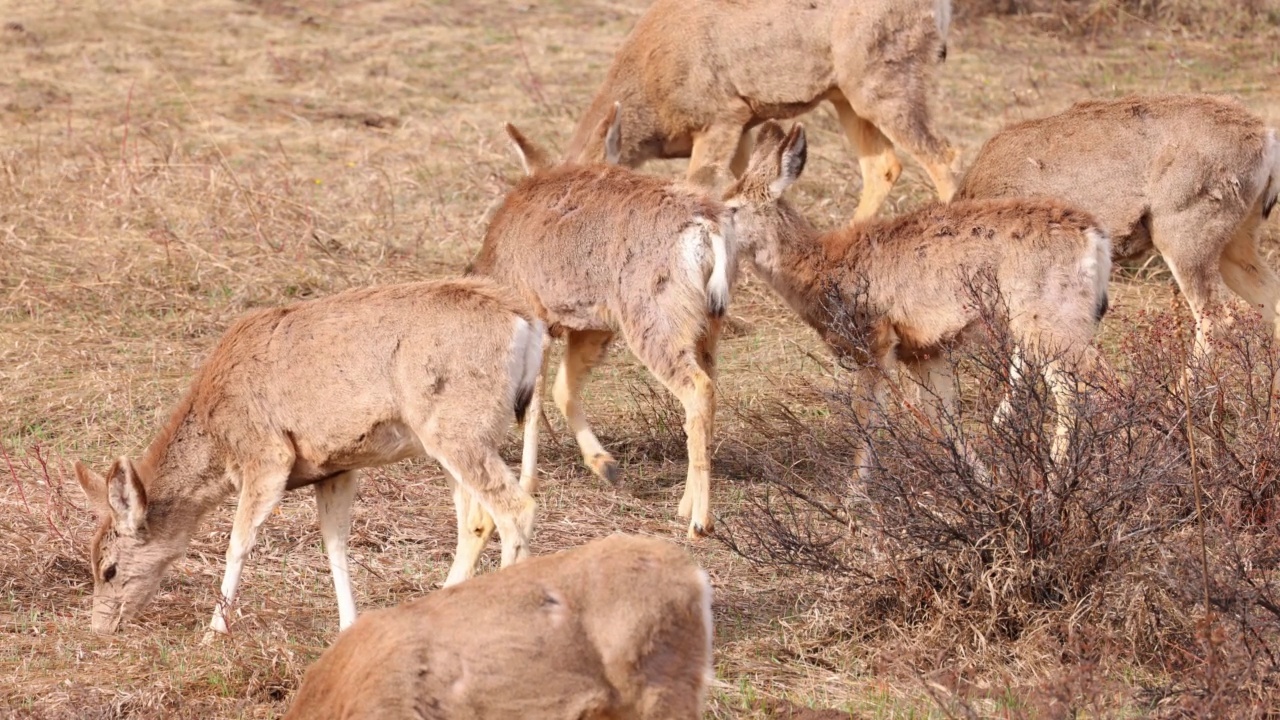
(695, 76)
(905, 284)
(617, 628)
(306, 395)
(599, 249)
(1192, 176)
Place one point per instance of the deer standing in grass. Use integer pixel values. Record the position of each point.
(599, 250)
(1192, 176)
(695, 76)
(307, 395)
(616, 628)
(905, 283)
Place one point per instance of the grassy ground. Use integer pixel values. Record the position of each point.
(164, 168)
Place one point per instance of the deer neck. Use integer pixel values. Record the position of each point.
(804, 270)
(184, 476)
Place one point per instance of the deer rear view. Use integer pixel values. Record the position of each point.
(695, 76)
(616, 628)
(599, 250)
(307, 395)
(905, 283)
(1192, 176)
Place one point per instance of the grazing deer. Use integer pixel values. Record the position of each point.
(1192, 176)
(905, 283)
(616, 628)
(307, 395)
(695, 76)
(599, 250)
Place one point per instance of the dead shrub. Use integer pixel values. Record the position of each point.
(966, 548)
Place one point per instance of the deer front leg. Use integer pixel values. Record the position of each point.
(259, 495)
(713, 154)
(333, 510)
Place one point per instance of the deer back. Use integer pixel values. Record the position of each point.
(597, 247)
(619, 627)
(688, 63)
(1124, 160)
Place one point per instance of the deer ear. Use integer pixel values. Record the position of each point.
(791, 159)
(126, 497)
(95, 490)
(532, 157)
(612, 125)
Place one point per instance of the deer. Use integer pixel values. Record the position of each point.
(695, 76)
(904, 284)
(598, 250)
(1192, 177)
(619, 627)
(309, 394)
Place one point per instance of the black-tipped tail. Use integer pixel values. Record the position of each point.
(524, 396)
(1103, 305)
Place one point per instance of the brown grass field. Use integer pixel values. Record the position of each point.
(168, 166)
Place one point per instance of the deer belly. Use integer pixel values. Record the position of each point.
(383, 444)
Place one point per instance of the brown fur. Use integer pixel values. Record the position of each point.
(1189, 176)
(695, 75)
(905, 283)
(306, 395)
(616, 628)
(599, 250)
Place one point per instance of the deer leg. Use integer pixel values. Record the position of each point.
(1190, 249)
(333, 510)
(1246, 273)
(742, 156)
(876, 158)
(712, 155)
(1016, 370)
(582, 351)
(868, 397)
(529, 454)
(474, 528)
(259, 495)
(489, 480)
(904, 120)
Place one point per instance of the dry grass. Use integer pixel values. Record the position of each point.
(163, 169)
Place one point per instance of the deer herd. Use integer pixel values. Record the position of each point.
(588, 248)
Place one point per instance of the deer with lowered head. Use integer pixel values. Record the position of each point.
(600, 250)
(695, 76)
(308, 394)
(906, 283)
(1191, 176)
(617, 628)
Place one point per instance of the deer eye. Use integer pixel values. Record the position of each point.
(109, 573)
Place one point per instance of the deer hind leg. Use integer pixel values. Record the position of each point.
(683, 369)
(488, 479)
(1246, 273)
(475, 526)
(583, 350)
(333, 510)
(260, 492)
(533, 414)
(903, 118)
(1192, 245)
(877, 160)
